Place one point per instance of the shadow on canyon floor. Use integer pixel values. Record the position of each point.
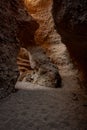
(43, 109)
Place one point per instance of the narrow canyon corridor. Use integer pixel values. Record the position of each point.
(38, 107)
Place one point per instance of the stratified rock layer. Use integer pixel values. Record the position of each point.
(70, 18)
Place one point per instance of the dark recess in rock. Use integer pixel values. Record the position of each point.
(70, 17)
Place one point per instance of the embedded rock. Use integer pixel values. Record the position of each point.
(44, 73)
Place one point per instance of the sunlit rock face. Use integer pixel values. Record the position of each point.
(39, 70)
(34, 5)
(70, 19)
(41, 11)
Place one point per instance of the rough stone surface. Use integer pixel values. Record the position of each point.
(26, 29)
(9, 47)
(70, 18)
(38, 59)
(45, 72)
(13, 15)
(17, 28)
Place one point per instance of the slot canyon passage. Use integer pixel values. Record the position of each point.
(47, 40)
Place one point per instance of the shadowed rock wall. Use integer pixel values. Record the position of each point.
(70, 17)
(12, 16)
(9, 47)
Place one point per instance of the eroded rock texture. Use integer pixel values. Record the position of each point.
(17, 29)
(13, 15)
(40, 69)
(44, 73)
(70, 18)
(8, 48)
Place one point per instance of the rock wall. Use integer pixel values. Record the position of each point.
(13, 15)
(70, 19)
(9, 47)
(17, 29)
(39, 69)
